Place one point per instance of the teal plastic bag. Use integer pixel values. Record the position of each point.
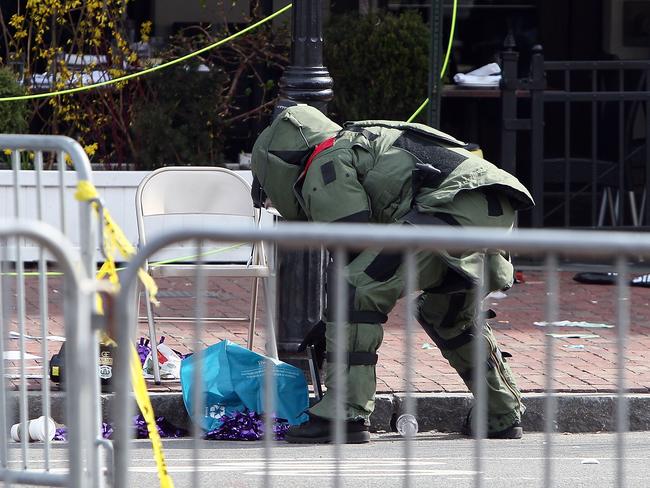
(233, 380)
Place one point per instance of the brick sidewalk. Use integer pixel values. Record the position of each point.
(590, 367)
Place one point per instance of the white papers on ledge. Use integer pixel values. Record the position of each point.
(46, 80)
(16, 356)
(485, 76)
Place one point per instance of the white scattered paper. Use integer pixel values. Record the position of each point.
(590, 461)
(574, 336)
(15, 335)
(570, 323)
(497, 295)
(15, 355)
(488, 75)
(426, 345)
(575, 347)
(487, 70)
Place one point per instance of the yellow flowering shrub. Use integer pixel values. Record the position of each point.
(181, 115)
(69, 43)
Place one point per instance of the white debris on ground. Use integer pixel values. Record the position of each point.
(570, 323)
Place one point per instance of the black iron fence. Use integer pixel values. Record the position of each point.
(587, 158)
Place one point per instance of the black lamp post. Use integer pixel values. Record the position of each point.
(301, 287)
(306, 80)
(435, 62)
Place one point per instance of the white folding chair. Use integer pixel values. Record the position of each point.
(199, 191)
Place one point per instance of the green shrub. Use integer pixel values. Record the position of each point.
(187, 116)
(379, 65)
(13, 115)
(179, 123)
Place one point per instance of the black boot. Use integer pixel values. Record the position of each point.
(515, 431)
(319, 430)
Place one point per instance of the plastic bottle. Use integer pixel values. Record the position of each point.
(106, 366)
(407, 425)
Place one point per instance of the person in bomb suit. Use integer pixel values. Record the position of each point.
(395, 173)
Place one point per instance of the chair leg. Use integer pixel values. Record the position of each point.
(642, 212)
(611, 203)
(633, 209)
(269, 295)
(152, 338)
(315, 374)
(253, 313)
(615, 210)
(603, 209)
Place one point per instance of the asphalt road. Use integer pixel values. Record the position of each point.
(444, 460)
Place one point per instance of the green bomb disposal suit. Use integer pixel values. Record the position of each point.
(397, 173)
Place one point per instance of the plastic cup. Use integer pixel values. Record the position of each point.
(37, 429)
(407, 425)
(42, 428)
(15, 432)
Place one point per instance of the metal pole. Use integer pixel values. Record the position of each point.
(301, 287)
(509, 59)
(537, 86)
(306, 80)
(435, 63)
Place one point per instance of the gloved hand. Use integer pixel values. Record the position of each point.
(316, 338)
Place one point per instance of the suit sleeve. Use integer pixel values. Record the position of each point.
(332, 192)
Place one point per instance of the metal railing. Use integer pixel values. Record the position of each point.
(68, 157)
(589, 159)
(26, 197)
(616, 247)
(17, 464)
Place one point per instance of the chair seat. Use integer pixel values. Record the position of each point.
(198, 196)
(219, 270)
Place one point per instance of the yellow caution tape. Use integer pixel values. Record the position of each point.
(114, 239)
(152, 69)
(142, 399)
(152, 265)
(445, 63)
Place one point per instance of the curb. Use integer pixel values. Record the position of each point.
(441, 412)
(575, 412)
(446, 412)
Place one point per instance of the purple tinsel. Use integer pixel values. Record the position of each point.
(107, 430)
(143, 349)
(61, 434)
(245, 426)
(239, 426)
(165, 429)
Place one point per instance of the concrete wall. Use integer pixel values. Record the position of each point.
(117, 190)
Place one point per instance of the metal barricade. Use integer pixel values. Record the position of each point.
(30, 196)
(42, 463)
(589, 155)
(69, 158)
(340, 238)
